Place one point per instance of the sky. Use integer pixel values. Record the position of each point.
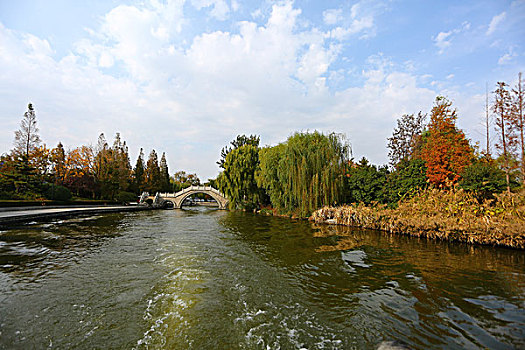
(186, 77)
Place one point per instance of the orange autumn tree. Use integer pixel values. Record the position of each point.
(446, 150)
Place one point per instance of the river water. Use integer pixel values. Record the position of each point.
(209, 279)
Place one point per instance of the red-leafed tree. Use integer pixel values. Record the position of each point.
(446, 150)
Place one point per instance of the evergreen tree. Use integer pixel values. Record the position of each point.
(139, 174)
(164, 174)
(483, 178)
(365, 183)
(101, 159)
(153, 179)
(408, 177)
(58, 164)
(120, 165)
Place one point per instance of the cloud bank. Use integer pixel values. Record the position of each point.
(142, 74)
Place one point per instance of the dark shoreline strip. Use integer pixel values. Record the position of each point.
(72, 212)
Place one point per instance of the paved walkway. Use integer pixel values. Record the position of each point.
(26, 215)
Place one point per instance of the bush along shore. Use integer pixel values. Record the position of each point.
(453, 215)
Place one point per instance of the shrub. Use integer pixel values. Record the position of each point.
(365, 183)
(126, 197)
(483, 179)
(58, 193)
(406, 180)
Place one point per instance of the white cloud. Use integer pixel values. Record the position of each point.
(443, 40)
(220, 9)
(508, 57)
(268, 79)
(361, 20)
(332, 16)
(496, 20)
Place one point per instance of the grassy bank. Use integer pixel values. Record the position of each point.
(447, 215)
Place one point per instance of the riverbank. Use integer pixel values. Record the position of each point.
(444, 215)
(17, 216)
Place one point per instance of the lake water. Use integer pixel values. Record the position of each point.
(209, 279)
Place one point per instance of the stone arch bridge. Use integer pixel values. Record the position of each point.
(176, 199)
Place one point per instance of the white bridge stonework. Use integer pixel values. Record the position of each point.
(178, 198)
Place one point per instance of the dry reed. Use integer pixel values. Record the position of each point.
(447, 215)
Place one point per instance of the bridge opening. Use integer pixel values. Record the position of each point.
(200, 199)
(168, 205)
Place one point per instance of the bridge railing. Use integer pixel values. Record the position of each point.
(192, 188)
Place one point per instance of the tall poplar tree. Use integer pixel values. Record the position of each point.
(164, 174)
(502, 108)
(518, 105)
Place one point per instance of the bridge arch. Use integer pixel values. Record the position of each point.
(178, 198)
(190, 193)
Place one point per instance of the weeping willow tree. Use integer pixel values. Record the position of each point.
(237, 181)
(304, 173)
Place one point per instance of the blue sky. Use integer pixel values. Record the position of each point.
(186, 76)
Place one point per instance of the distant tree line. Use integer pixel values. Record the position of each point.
(310, 170)
(33, 171)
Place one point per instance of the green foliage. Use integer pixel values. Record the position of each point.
(237, 181)
(405, 180)
(182, 180)
(164, 174)
(139, 174)
(484, 179)
(126, 197)
(239, 141)
(267, 176)
(365, 183)
(304, 173)
(58, 193)
(153, 178)
(18, 179)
